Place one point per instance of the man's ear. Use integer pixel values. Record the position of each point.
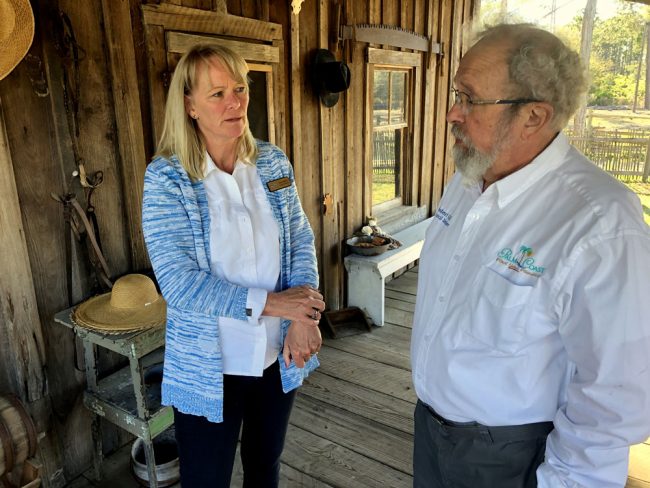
(539, 118)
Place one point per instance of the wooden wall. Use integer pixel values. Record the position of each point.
(81, 96)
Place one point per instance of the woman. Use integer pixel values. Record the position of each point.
(234, 256)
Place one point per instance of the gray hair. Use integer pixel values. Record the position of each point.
(542, 67)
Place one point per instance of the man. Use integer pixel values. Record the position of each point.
(531, 337)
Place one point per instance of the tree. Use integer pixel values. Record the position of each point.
(585, 55)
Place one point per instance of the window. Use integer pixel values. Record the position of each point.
(389, 134)
(392, 101)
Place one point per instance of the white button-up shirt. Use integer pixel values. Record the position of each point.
(533, 304)
(244, 249)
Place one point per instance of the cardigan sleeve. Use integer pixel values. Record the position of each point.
(173, 233)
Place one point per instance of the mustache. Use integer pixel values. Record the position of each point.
(458, 134)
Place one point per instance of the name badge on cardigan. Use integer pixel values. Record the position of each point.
(279, 184)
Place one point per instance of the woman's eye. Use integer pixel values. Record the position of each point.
(218, 94)
(240, 89)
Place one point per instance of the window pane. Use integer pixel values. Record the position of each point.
(386, 165)
(398, 97)
(258, 115)
(380, 98)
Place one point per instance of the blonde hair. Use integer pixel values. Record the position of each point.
(180, 136)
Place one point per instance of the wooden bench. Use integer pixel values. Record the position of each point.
(367, 274)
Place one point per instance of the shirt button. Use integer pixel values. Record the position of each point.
(456, 257)
(442, 298)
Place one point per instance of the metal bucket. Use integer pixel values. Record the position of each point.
(166, 454)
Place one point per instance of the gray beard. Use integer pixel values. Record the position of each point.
(470, 162)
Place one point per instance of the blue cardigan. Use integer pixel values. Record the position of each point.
(176, 226)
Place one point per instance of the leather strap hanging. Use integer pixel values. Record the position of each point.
(83, 228)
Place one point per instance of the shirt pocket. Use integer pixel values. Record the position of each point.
(500, 310)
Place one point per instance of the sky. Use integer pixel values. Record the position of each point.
(539, 11)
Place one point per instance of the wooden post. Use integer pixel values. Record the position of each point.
(117, 17)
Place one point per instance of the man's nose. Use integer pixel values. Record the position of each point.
(455, 114)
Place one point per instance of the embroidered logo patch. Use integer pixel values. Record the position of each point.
(518, 267)
(443, 216)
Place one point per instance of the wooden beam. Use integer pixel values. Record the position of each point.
(178, 42)
(117, 18)
(172, 17)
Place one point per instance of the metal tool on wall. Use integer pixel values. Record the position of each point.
(388, 35)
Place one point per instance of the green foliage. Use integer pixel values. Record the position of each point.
(617, 46)
(616, 50)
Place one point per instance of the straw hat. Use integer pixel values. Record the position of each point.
(16, 33)
(132, 304)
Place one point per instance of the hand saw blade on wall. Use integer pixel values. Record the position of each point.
(389, 36)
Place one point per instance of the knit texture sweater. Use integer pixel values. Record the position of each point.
(176, 227)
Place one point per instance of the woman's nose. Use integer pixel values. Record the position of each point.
(233, 100)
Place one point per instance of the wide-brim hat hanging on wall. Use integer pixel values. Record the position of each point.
(133, 304)
(16, 33)
(329, 76)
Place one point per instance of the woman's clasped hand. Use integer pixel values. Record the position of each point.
(303, 306)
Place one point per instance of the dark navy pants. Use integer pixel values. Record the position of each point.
(258, 407)
(470, 455)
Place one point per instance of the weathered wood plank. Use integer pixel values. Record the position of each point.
(406, 284)
(408, 299)
(640, 462)
(128, 118)
(21, 340)
(375, 345)
(441, 129)
(295, 101)
(394, 316)
(172, 17)
(365, 372)
(363, 436)
(358, 399)
(178, 42)
(289, 477)
(157, 73)
(337, 465)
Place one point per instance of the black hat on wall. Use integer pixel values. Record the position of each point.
(329, 76)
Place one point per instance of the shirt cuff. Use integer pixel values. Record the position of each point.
(255, 303)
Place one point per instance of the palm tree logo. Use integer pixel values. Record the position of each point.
(524, 252)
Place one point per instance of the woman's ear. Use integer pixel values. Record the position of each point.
(539, 115)
(189, 107)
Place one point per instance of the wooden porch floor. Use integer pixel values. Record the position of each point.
(352, 425)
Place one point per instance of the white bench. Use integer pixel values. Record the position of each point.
(366, 274)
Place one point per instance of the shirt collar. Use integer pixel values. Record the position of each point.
(210, 166)
(515, 184)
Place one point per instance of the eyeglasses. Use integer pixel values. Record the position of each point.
(465, 101)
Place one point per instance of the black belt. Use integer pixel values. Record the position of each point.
(502, 433)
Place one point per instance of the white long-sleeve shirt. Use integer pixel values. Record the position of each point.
(245, 250)
(533, 304)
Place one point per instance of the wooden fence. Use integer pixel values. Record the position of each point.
(622, 153)
(384, 160)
